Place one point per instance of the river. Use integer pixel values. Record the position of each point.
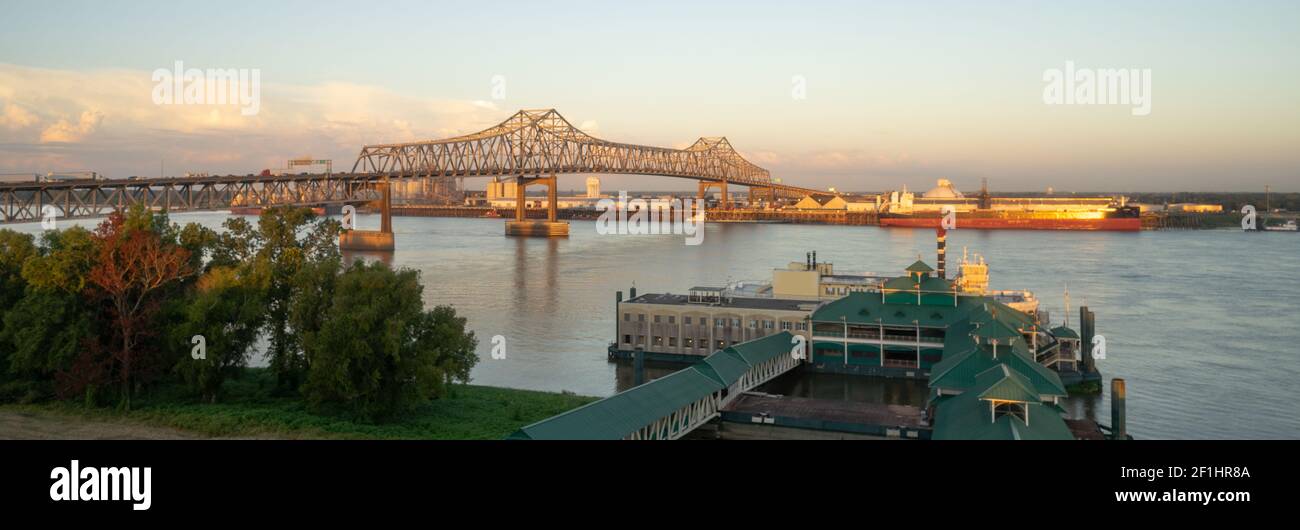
(1202, 324)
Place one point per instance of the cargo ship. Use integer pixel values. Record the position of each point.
(905, 209)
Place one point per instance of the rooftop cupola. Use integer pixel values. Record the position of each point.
(919, 271)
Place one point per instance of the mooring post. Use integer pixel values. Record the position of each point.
(1119, 430)
(638, 366)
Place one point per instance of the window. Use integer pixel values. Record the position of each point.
(801, 326)
(722, 344)
(627, 317)
(753, 324)
(686, 320)
(656, 319)
(640, 318)
(672, 342)
(1014, 409)
(719, 322)
(785, 326)
(768, 324)
(735, 322)
(659, 341)
(688, 342)
(627, 339)
(672, 319)
(640, 339)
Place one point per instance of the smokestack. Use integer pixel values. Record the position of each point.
(941, 237)
(618, 299)
(1118, 414)
(631, 294)
(807, 260)
(814, 259)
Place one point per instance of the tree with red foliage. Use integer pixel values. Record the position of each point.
(132, 265)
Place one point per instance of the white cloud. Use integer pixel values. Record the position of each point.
(106, 120)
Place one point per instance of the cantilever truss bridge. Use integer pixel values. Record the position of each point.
(543, 143)
(531, 145)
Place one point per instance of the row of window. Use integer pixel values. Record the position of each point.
(722, 322)
(688, 342)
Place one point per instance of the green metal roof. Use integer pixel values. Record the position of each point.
(867, 307)
(960, 367)
(1062, 332)
(967, 418)
(622, 414)
(919, 266)
(994, 329)
(1002, 384)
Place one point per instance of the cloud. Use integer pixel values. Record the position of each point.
(64, 131)
(107, 121)
(16, 117)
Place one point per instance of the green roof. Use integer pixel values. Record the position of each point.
(622, 414)
(994, 329)
(919, 266)
(1062, 332)
(1003, 384)
(865, 307)
(963, 362)
(965, 417)
(969, 416)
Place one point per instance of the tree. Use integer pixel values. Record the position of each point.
(377, 352)
(226, 311)
(286, 240)
(50, 324)
(132, 265)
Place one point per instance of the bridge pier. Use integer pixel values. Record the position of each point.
(721, 185)
(372, 240)
(521, 226)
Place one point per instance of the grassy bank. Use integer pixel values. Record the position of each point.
(250, 408)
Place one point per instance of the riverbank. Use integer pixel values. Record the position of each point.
(250, 409)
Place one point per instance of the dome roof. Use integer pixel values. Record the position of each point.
(943, 190)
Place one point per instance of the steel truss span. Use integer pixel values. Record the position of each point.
(27, 202)
(542, 142)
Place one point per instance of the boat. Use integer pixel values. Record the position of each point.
(1289, 226)
(905, 209)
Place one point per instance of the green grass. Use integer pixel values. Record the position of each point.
(250, 408)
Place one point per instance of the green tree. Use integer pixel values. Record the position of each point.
(225, 309)
(286, 240)
(377, 352)
(50, 325)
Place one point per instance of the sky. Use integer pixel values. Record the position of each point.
(855, 95)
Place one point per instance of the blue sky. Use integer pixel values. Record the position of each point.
(897, 92)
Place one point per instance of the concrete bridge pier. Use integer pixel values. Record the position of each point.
(521, 226)
(371, 240)
(721, 185)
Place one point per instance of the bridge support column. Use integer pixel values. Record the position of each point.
(521, 226)
(371, 240)
(721, 185)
